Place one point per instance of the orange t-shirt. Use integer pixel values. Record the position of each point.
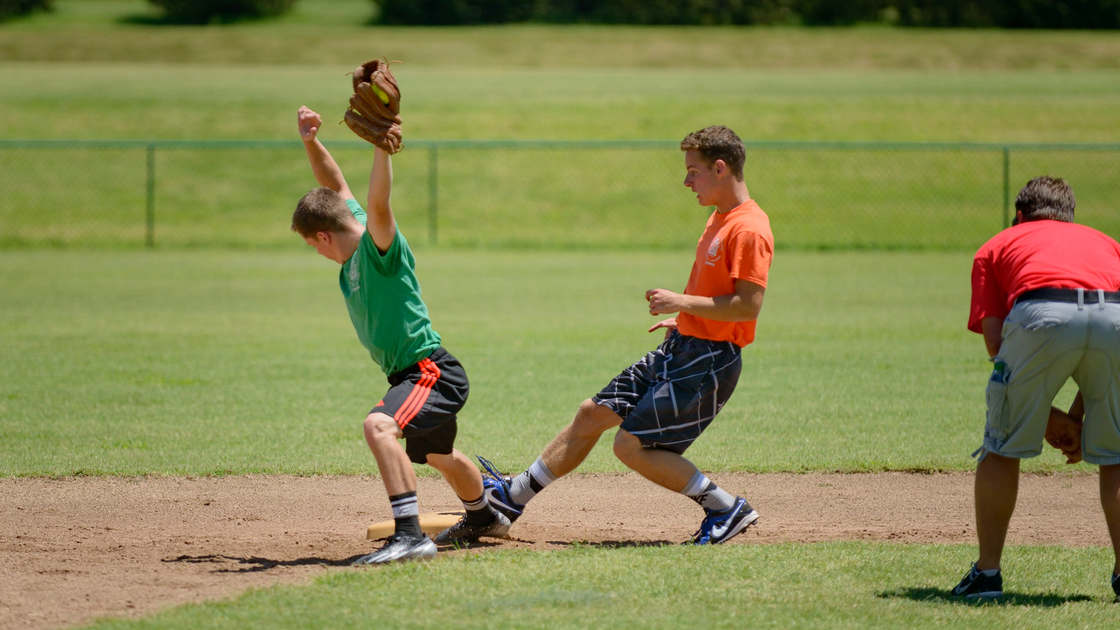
(735, 246)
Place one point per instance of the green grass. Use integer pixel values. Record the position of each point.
(552, 198)
(194, 100)
(608, 199)
(827, 585)
(333, 31)
(125, 80)
(231, 363)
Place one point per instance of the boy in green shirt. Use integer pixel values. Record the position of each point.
(428, 386)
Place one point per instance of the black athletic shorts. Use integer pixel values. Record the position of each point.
(672, 394)
(425, 399)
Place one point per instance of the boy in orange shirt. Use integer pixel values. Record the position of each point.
(665, 400)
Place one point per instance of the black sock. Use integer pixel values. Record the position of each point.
(479, 513)
(409, 526)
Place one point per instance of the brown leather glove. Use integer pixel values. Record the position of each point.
(374, 113)
(1063, 430)
(1064, 434)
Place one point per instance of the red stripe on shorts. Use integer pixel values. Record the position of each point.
(419, 395)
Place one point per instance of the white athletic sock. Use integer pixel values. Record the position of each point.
(404, 505)
(526, 485)
(710, 496)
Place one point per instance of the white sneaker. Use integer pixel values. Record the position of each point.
(401, 547)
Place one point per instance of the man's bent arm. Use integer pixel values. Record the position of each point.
(743, 305)
(993, 334)
(379, 221)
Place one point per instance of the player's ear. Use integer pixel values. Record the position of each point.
(719, 167)
(324, 237)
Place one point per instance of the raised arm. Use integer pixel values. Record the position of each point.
(323, 165)
(380, 223)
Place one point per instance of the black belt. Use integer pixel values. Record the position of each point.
(1068, 295)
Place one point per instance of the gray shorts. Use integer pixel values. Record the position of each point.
(1044, 344)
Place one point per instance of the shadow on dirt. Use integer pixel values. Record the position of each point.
(612, 544)
(1045, 600)
(256, 564)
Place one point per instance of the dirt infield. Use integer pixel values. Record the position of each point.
(77, 549)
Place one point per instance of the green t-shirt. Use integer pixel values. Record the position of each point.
(383, 297)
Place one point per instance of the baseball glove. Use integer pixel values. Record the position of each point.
(1063, 432)
(375, 106)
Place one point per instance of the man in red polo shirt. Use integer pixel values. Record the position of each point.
(1044, 295)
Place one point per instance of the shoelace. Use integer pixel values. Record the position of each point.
(390, 541)
(704, 534)
(491, 469)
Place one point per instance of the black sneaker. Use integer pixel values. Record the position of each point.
(976, 585)
(400, 547)
(1116, 587)
(497, 489)
(463, 531)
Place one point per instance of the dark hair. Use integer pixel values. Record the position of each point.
(321, 210)
(718, 143)
(1046, 198)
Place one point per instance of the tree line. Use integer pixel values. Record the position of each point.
(1034, 14)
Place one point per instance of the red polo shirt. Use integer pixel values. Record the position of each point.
(1039, 254)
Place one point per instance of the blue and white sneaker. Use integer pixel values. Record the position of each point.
(719, 527)
(1116, 587)
(496, 487)
(976, 585)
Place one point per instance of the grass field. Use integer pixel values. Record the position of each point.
(610, 199)
(554, 197)
(828, 585)
(246, 81)
(231, 363)
(334, 30)
(224, 361)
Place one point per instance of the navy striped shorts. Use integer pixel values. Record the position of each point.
(672, 394)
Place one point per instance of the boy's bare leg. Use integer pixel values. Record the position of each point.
(408, 540)
(396, 471)
(725, 514)
(664, 468)
(459, 472)
(572, 445)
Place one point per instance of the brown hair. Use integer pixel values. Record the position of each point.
(321, 210)
(1046, 198)
(718, 143)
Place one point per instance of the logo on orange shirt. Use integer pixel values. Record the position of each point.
(715, 252)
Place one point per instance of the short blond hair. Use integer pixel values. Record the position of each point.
(321, 210)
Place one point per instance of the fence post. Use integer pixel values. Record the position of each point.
(433, 193)
(150, 239)
(1006, 186)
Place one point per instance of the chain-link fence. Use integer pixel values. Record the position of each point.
(547, 194)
